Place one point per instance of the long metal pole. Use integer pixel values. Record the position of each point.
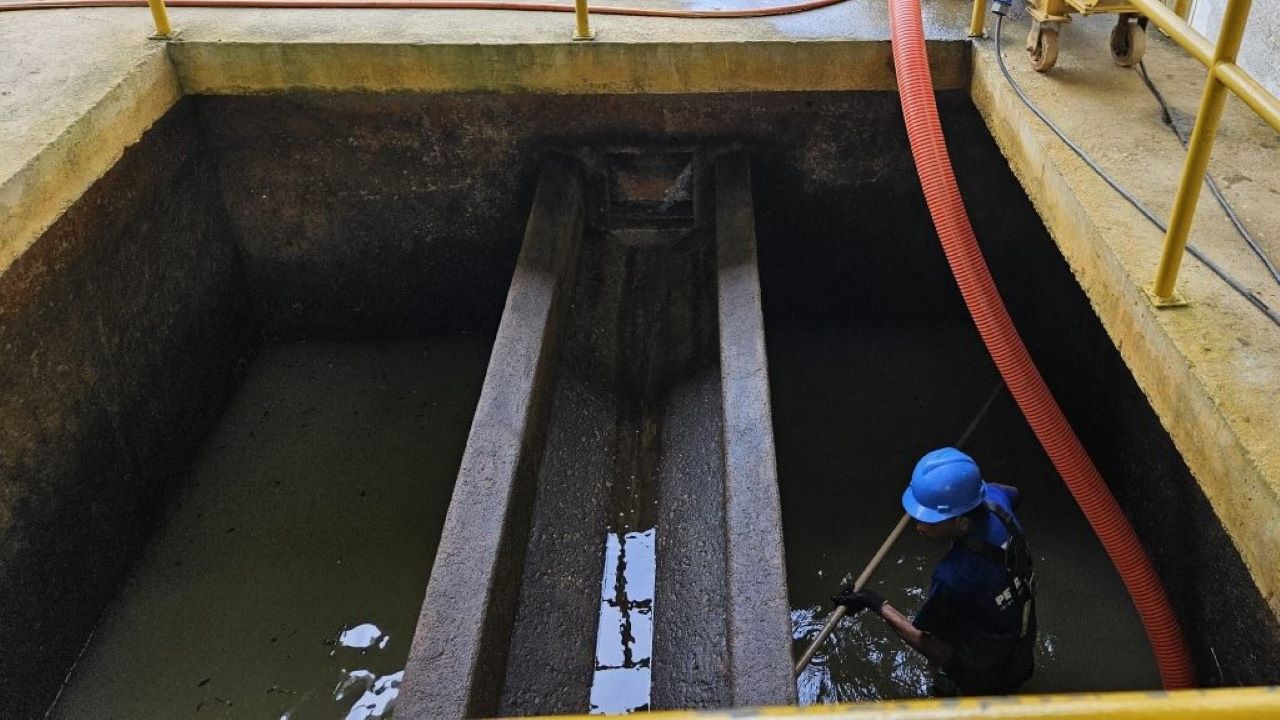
(834, 619)
(1193, 170)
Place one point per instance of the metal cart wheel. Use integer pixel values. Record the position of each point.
(1042, 46)
(1128, 41)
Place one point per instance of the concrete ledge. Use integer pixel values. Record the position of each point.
(457, 659)
(55, 166)
(759, 630)
(683, 66)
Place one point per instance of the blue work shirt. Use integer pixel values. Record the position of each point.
(972, 605)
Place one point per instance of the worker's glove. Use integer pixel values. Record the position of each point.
(854, 602)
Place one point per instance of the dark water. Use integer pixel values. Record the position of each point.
(853, 410)
(286, 577)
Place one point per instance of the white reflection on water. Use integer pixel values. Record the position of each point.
(363, 637)
(379, 698)
(624, 636)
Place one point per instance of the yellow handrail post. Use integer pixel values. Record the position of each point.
(977, 21)
(1202, 136)
(1182, 8)
(161, 17)
(582, 26)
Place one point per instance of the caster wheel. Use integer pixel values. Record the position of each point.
(1128, 42)
(1042, 48)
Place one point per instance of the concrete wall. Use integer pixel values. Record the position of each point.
(1260, 50)
(433, 190)
(123, 328)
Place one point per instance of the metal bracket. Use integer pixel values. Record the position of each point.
(1174, 300)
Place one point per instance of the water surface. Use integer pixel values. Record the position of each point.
(286, 577)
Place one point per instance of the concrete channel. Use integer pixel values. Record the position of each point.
(625, 398)
(619, 516)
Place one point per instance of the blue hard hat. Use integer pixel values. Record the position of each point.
(945, 484)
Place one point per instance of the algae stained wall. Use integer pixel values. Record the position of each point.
(123, 328)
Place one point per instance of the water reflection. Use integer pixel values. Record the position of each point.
(363, 637)
(624, 638)
(379, 698)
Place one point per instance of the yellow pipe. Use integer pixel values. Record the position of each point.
(1182, 33)
(161, 16)
(1254, 703)
(582, 28)
(1182, 8)
(977, 20)
(1184, 203)
(1251, 92)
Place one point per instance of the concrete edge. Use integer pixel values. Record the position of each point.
(239, 68)
(457, 660)
(1222, 465)
(60, 172)
(759, 637)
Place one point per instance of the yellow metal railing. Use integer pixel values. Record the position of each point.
(1252, 703)
(1224, 75)
(161, 18)
(581, 21)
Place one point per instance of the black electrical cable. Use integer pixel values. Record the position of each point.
(1245, 292)
(1167, 115)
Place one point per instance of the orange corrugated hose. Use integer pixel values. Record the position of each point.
(915, 88)
(429, 5)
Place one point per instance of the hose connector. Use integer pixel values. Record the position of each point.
(1001, 7)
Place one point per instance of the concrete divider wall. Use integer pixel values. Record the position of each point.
(123, 328)
(658, 421)
(459, 652)
(758, 608)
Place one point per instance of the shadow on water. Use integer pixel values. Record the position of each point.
(286, 577)
(853, 410)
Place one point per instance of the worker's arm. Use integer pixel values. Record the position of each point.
(926, 643)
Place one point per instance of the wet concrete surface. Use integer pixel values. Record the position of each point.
(285, 578)
(639, 323)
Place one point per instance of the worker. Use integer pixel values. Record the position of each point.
(978, 624)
